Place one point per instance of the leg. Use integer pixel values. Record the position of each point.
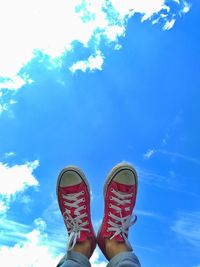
(119, 255)
(74, 201)
(120, 193)
(74, 259)
(124, 259)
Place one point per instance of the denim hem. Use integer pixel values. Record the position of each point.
(76, 257)
(122, 258)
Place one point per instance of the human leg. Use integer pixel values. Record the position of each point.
(73, 195)
(74, 259)
(120, 191)
(124, 259)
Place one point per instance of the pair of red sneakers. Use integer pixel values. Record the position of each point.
(120, 192)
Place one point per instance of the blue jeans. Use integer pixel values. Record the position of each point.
(75, 259)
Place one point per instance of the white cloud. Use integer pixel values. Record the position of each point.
(13, 82)
(149, 249)
(180, 156)
(147, 8)
(25, 199)
(186, 8)
(165, 139)
(155, 179)
(115, 31)
(15, 179)
(9, 154)
(169, 24)
(13, 232)
(149, 153)
(145, 213)
(3, 207)
(92, 63)
(33, 249)
(52, 26)
(96, 261)
(172, 155)
(3, 107)
(40, 223)
(187, 227)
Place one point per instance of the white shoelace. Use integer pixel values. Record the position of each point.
(75, 225)
(121, 224)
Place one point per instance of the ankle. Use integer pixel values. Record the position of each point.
(114, 247)
(84, 248)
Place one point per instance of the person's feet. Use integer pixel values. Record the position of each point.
(73, 195)
(120, 192)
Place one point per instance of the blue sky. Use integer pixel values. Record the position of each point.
(96, 85)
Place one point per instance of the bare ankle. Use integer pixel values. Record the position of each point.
(114, 247)
(84, 248)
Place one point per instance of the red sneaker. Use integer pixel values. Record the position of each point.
(120, 192)
(73, 195)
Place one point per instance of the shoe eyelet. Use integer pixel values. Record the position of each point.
(82, 192)
(111, 190)
(83, 199)
(84, 207)
(110, 206)
(109, 213)
(111, 198)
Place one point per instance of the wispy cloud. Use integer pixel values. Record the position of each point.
(31, 247)
(3, 207)
(94, 62)
(13, 231)
(9, 154)
(187, 227)
(179, 156)
(151, 9)
(145, 213)
(169, 24)
(153, 178)
(36, 244)
(96, 259)
(87, 22)
(172, 155)
(6, 99)
(174, 131)
(149, 249)
(4, 106)
(149, 153)
(168, 181)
